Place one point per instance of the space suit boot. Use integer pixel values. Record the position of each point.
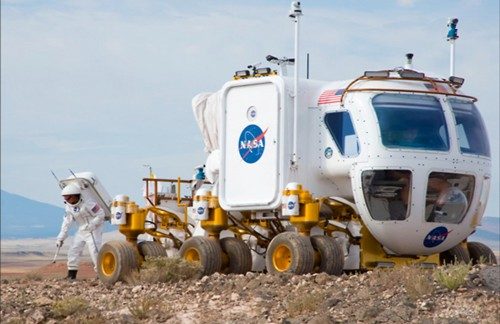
(71, 274)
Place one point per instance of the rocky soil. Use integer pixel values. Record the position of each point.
(372, 297)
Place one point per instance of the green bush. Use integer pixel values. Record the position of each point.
(452, 276)
(69, 306)
(164, 269)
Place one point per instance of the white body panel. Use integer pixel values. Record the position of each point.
(324, 170)
(250, 145)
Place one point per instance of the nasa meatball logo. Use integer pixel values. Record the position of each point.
(291, 205)
(118, 215)
(436, 236)
(200, 210)
(252, 143)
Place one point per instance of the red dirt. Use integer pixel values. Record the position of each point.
(51, 270)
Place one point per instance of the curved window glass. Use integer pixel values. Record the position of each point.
(448, 197)
(387, 193)
(411, 122)
(340, 126)
(470, 128)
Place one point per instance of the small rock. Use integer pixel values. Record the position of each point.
(331, 302)
(490, 277)
(234, 297)
(42, 301)
(320, 319)
(322, 278)
(35, 317)
(136, 289)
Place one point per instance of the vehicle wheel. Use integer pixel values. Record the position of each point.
(238, 253)
(290, 252)
(151, 249)
(331, 255)
(204, 250)
(115, 261)
(480, 252)
(456, 254)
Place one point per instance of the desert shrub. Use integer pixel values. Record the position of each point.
(33, 276)
(141, 309)
(417, 281)
(304, 303)
(69, 306)
(385, 279)
(452, 276)
(164, 269)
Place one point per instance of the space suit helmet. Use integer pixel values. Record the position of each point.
(69, 191)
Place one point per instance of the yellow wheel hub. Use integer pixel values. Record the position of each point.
(108, 264)
(192, 255)
(282, 258)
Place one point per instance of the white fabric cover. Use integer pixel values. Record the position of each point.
(206, 111)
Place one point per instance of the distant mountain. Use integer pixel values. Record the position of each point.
(488, 233)
(25, 218)
(22, 217)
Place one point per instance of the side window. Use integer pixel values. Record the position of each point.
(340, 126)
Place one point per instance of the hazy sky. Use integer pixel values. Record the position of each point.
(106, 86)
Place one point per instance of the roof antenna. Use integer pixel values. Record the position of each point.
(409, 61)
(282, 63)
(451, 37)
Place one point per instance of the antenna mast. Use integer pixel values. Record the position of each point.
(451, 37)
(295, 13)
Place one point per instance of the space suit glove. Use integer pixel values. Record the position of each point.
(59, 243)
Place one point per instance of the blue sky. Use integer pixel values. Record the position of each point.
(106, 86)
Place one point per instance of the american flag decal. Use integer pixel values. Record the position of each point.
(330, 96)
(436, 87)
(96, 208)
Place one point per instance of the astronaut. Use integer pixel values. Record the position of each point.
(90, 219)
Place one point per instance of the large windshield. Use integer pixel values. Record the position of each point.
(470, 128)
(411, 121)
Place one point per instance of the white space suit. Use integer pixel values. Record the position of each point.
(90, 219)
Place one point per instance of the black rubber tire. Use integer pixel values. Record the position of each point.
(331, 254)
(289, 252)
(239, 255)
(478, 251)
(457, 254)
(151, 249)
(204, 250)
(116, 261)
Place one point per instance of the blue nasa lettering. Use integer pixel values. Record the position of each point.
(436, 236)
(252, 143)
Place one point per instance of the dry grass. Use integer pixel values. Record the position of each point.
(33, 276)
(452, 276)
(417, 281)
(164, 269)
(69, 306)
(141, 309)
(304, 303)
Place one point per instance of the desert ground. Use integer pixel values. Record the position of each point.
(33, 290)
